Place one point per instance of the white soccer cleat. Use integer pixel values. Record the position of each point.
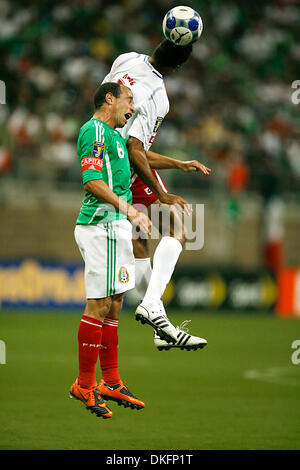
(183, 341)
(151, 314)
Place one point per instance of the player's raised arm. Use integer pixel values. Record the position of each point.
(161, 162)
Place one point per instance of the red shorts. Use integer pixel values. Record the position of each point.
(141, 194)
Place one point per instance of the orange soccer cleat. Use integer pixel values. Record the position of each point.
(92, 398)
(120, 393)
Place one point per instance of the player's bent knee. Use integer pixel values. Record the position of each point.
(180, 234)
(183, 236)
(117, 300)
(181, 240)
(106, 306)
(98, 308)
(116, 306)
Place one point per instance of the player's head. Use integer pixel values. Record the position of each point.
(100, 95)
(115, 103)
(168, 56)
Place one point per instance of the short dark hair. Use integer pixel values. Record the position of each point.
(168, 54)
(102, 90)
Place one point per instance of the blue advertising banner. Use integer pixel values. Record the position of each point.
(32, 283)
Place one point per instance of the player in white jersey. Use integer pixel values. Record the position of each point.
(150, 96)
(144, 76)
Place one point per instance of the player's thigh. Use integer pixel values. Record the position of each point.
(169, 221)
(106, 307)
(140, 239)
(98, 308)
(108, 256)
(140, 248)
(122, 257)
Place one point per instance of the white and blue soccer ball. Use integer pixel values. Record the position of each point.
(182, 25)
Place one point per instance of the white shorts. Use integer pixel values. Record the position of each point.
(108, 256)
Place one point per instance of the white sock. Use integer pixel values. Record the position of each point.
(164, 260)
(162, 308)
(143, 271)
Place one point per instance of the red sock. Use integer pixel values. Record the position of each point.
(109, 351)
(89, 340)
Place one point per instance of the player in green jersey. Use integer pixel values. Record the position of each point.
(103, 233)
(107, 149)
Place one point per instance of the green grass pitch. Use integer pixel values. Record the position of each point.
(241, 392)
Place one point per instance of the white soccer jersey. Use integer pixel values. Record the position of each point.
(150, 97)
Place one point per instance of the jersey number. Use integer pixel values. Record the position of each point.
(120, 149)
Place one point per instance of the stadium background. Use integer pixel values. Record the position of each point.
(233, 107)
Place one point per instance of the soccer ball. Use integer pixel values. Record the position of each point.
(182, 25)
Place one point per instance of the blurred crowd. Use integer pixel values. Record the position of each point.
(231, 105)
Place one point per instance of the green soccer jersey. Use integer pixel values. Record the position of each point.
(103, 156)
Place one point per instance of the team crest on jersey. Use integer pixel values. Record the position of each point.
(158, 122)
(98, 149)
(123, 275)
(95, 162)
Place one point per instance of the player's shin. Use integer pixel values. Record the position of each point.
(164, 262)
(89, 340)
(108, 353)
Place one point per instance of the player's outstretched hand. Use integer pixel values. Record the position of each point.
(178, 201)
(194, 165)
(141, 221)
